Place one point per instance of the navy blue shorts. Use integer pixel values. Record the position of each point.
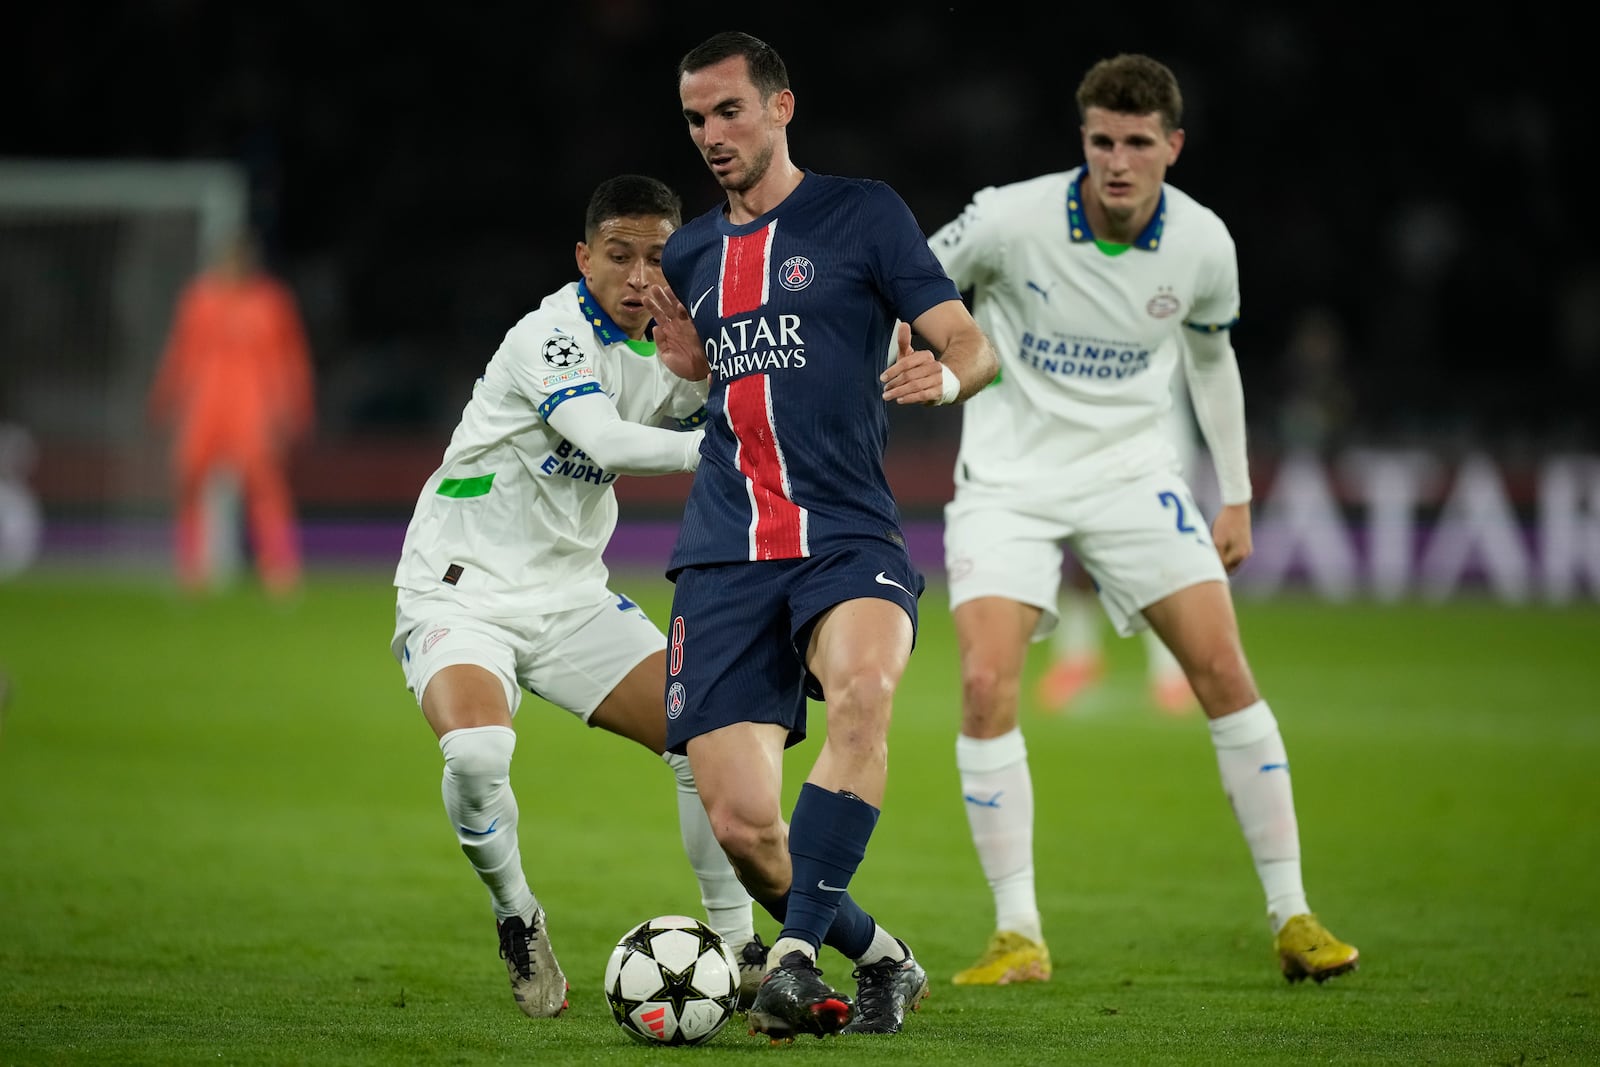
(736, 646)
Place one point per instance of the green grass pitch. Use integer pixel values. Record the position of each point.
(221, 841)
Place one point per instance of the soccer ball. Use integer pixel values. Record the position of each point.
(672, 980)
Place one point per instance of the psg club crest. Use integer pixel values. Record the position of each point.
(796, 273)
(561, 352)
(676, 697)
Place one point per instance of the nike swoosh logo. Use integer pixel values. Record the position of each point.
(696, 305)
(884, 579)
(1274, 767)
(992, 802)
(822, 884)
(478, 833)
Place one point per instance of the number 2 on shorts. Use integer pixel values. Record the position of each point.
(1169, 499)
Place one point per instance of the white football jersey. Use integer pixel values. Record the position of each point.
(1088, 342)
(515, 518)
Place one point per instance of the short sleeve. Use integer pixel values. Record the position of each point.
(964, 243)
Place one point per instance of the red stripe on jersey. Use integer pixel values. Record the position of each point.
(777, 523)
(744, 271)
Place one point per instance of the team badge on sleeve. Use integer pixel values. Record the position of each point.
(561, 351)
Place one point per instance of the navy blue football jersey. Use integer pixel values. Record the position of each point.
(796, 311)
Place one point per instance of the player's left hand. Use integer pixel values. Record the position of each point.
(677, 341)
(1231, 534)
(916, 376)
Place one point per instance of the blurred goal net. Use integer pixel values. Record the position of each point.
(93, 255)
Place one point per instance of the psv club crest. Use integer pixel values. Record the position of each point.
(1163, 305)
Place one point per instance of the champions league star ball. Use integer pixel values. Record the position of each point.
(672, 980)
(561, 352)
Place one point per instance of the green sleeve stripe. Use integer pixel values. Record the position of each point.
(464, 487)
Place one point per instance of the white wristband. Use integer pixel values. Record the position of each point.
(952, 385)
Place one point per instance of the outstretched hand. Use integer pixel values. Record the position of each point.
(677, 342)
(916, 376)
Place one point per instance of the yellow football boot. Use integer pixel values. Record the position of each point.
(1010, 957)
(1307, 950)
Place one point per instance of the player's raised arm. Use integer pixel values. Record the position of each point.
(965, 364)
(677, 341)
(591, 422)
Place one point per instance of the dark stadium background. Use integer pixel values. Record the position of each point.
(1418, 263)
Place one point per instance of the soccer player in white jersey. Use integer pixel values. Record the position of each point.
(1077, 661)
(501, 585)
(1084, 280)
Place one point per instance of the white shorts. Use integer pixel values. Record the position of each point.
(573, 659)
(1141, 540)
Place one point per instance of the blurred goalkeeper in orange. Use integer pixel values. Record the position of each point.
(235, 384)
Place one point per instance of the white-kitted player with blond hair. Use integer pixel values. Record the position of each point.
(1086, 280)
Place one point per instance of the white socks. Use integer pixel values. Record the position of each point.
(728, 906)
(1078, 634)
(884, 947)
(1159, 659)
(997, 791)
(483, 811)
(1255, 775)
(785, 945)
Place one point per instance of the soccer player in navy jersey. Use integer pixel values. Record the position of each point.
(792, 576)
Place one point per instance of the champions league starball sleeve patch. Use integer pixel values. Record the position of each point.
(561, 359)
(561, 351)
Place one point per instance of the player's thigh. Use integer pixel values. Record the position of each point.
(854, 616)
(738, 770)
(636, 707)
(992, 634)
(461, 670)
(730, 658)
(993, 548)
(1142, 541)
(1198, 624)
(580, 659)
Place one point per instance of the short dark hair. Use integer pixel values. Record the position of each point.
(767, 72)
(1132, 84)
(628, 196)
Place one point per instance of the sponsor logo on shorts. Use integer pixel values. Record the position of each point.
(884, 579)
(433, 639)
(676, 698)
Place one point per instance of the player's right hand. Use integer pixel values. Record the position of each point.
(915, 375)
(1231, 534)
(677, 341)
